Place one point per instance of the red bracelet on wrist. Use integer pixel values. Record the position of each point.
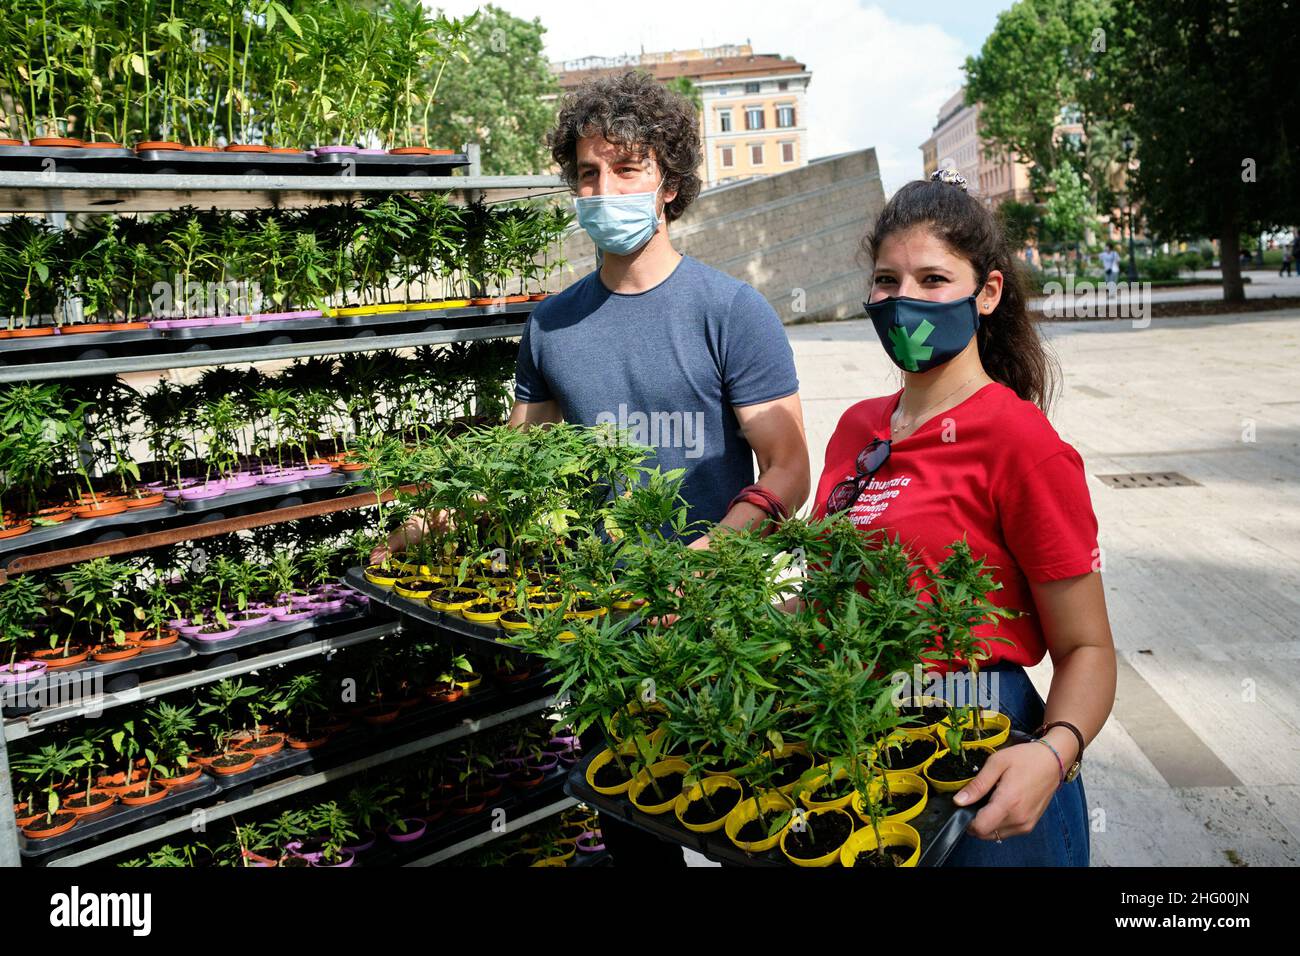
(764, 500)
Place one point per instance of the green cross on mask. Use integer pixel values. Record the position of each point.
(911, 349)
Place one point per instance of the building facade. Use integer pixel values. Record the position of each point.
(752, 116)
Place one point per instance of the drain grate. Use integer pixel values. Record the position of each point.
(1148, 479)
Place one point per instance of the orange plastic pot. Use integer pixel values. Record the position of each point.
(14, 530)
(57, 141)
(156, 793)
(158, 144)
(94, 808)
(53, 658)
(63, 822)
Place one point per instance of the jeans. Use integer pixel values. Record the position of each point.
(1060, 838)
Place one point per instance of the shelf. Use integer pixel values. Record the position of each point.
(546, 795)
(17, 728)
(363, 341)
(26, 358)
(30, 191)
(255, 500)
(280, 789)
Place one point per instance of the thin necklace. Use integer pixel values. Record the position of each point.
(905, 426)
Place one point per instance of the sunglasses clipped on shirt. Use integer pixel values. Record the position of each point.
(868, 462)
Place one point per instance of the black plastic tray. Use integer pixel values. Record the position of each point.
(941, 824)
(67, 159)
(386, 164)
(86, 341)
(272, 631)
(222, 163)
(475, 638)
(117, 817)
(78, 673)
(286, 759)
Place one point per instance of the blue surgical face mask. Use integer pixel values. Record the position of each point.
(920, 334)
(620, 223)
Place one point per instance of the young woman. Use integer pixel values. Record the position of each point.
(965, 449)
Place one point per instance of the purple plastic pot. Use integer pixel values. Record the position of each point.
(569, 757)
(325, 150)
(173, 492)
(196, 322)
(316, 471)
(560, 743)
(501, 773)
(297, 600)
(238, 482)
(415, 828)
(22, 671)
(367, 838)
(201, 492)
(189, 630)
(216, 635)
(250, 623)
(348, 860)
(154, 485)
(327, 605)
(282, 477)
(545, 763)
(584, 847)
(229, 319)
(295, 846)
(280, 614)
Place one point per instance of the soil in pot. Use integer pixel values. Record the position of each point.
(972, 734)
(452, 595)
(950, 768)
(900, 801)
(670, 786)
(911, 754)
(896, 854)
(444, 693)
(832, 790)
(233, 763)
(609, 775)
(724, 800)
(791, 767)
(140, 795)
(465, 806)
(47, 827)
(80, 805)
(755, 831)
(263, 746)
(820, 834)
(924, 716)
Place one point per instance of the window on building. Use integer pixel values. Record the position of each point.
(722, 91)
(787, 152)
(753, 117)
(751, 87)
(727, 158)
(724, 120)
(756, 154)
(785, 116)
(782, 85)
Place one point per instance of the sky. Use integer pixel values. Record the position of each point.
(880, 70)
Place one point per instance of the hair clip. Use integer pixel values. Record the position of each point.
(949, 176)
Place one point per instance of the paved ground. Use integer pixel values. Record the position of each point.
(1200, 761)
(1263, 284)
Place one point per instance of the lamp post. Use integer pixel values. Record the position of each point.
(1128, 200)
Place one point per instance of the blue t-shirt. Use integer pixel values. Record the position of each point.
(666, 365)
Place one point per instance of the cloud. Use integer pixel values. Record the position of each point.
(878, 79)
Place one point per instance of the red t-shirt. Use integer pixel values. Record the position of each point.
(992, 468)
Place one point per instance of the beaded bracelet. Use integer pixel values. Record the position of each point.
(1040, 740)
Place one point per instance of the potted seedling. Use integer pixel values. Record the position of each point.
(93, 599)
(366, 805)
(221, 574)
(302, 698)
(283, 578)
(961, 586)
(225, 700)
(248, 579)
(45, 771)
(21, 602)
(170, 728)
(334, 831)
(129, 747)
(88, 752)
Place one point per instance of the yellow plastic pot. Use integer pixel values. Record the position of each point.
(602, 758)
(565, 637)
(641, 786)
(745, 811)
(826, 859)
(385, 579)
(455, 607)
(413, 569)
(636, 707)
(808, 799)
(401, 587)
(902, 735)
(551, 861)
(945, 786)
(370, 309)
(924, 701)
(785, 751)
(481, 616)
(710, 786)
(469, 685)
(587, 615)
(992, 720)
(899, 782)
(446, 304)
(514, 626)
(864, 841)
(628, 747)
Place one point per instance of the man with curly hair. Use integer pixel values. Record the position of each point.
(685, 358)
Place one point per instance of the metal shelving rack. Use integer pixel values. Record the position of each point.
(55, 194)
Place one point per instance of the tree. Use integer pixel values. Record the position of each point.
(1068, 212)
(1215, 115)
(497, 99)
(1041, 65)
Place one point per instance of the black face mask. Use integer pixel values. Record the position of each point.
(919, 334)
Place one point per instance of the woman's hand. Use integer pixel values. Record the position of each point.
(1023, 779)
(408, 536)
